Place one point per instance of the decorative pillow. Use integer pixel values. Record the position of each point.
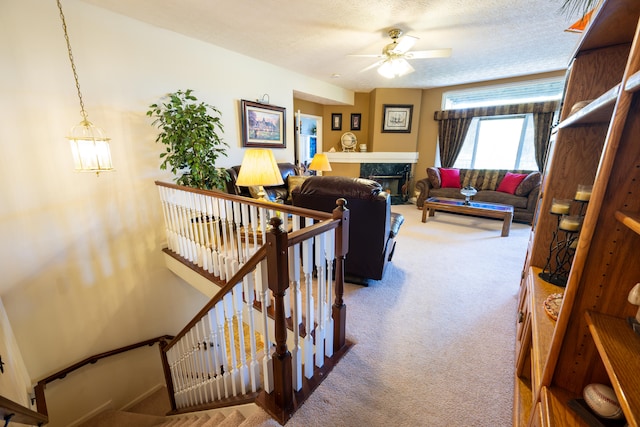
(434, 177)
(294, 181)
(529, 183)
(450, 178)
(510, 182)
(254, 190)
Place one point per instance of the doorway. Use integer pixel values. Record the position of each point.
(308, 138)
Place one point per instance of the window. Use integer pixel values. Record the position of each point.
(499, 142)
(513, 93)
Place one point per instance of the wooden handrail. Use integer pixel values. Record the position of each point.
(39, 389)
(278, 398)
(93, 359)
(244, 270)
(295, 237)
(15, 412)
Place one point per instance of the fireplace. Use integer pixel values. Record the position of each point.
(393, 177)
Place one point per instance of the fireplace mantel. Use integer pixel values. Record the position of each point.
(372, 157)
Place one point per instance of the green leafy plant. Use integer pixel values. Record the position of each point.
(581, 7)
(191, 132)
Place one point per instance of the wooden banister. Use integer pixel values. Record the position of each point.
(310, 213)
(39, 389)
(339, 309)
(11, 411)
(259, 279)
(278, 272)
(243, 271)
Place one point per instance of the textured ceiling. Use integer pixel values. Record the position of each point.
(491, 39)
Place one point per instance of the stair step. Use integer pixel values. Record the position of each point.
(214, 420)
(123, 419)
(234, 419)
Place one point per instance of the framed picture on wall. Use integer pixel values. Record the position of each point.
(397, 118)
(356, 119)
(336, 121)
(263, 125)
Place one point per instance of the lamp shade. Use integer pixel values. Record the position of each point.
(90, 148)
(320, 163)
(259, 167)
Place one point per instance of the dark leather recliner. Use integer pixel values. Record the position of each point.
(372, 228)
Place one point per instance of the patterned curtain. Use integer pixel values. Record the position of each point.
(455, 123)
(541, 134)
(451, 135)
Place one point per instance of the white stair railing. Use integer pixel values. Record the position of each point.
(227, 349)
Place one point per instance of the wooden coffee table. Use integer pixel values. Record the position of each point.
(482, 209)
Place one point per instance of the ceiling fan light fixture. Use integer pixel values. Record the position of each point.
(395, 67)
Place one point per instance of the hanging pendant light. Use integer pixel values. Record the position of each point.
(89, 145)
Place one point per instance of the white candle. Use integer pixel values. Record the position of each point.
(560, 208)
(583, 196)
(569, 224)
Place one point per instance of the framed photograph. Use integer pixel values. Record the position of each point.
(397, 118)
(263, 125)
(336, 121)
(356, 119)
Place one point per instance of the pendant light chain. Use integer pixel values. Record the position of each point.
(73, 66)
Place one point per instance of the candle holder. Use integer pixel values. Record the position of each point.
(561, 250)
(564, 241)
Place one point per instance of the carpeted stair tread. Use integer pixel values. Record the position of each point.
(259, 419)
(156, 403)
(183, 421)
(123, 419)
(214, 420)
(234, 419)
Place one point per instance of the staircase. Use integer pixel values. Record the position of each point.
(150, 412)
(272, 331)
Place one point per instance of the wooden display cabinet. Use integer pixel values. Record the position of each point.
(600, 145)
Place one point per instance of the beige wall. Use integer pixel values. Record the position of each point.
(308, 107)
(424, 130)
(81, 255)
(395, 142)
(331, 138)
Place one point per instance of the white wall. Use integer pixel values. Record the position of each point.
(79, 254)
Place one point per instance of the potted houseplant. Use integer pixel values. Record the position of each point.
(191, 132)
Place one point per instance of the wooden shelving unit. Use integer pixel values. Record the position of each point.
(630, 220)
(542, 325)
(633, 83)
(597, 111)
(591, 341)
(619, 348)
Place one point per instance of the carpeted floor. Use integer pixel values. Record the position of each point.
(434, 338)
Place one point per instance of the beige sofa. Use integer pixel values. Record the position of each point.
(487, 182)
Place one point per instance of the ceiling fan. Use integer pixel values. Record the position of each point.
(393, 62)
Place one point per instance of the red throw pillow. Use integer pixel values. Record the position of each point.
(450, 178)
(510, 182)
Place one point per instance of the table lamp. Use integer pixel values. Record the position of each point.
(259, 168)
(320, 163)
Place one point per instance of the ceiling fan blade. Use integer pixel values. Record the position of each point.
(374, 65)
(404, 44)
(433, 53)
(368, 56)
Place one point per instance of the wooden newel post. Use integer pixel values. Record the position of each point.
(339, 309)
(278, 276)
(162, 344)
